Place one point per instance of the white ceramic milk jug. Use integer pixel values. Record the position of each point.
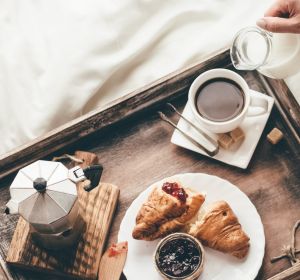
(276, 55)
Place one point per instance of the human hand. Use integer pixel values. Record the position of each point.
(282, 17)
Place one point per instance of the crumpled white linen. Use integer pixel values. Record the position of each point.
(61, 59)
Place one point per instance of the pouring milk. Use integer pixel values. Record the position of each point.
(276, 55)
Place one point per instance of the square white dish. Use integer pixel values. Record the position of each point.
(239, 154)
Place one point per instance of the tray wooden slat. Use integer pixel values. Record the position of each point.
(285, 102)
(292, 273)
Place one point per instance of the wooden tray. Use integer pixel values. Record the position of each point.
(127, 135)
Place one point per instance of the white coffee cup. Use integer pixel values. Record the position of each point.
(253, 105)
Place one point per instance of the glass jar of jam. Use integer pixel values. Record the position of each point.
(179, 256)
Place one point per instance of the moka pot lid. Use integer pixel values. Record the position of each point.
(43, 192)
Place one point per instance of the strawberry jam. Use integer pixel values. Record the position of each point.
(176, 191)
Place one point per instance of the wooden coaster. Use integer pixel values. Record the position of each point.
(97, 209)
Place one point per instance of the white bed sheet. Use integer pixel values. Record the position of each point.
(61, 59)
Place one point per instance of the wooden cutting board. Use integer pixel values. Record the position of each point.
(97, 209)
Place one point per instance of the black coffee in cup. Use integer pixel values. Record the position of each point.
(219, 99)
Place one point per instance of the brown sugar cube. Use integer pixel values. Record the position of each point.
(237, 134)
(275, 136)
(225, 141)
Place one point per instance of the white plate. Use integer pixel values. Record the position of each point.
(239, 154)
(217, 266)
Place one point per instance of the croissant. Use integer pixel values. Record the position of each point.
(164, 213)
(220, 229)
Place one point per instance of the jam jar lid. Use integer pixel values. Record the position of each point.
(179, 256)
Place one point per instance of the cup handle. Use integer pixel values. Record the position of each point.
(258, 106)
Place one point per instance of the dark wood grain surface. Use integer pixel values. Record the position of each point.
(136, 152)
(291, 273)
(285, 102)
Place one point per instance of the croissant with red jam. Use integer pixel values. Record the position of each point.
(167, 210)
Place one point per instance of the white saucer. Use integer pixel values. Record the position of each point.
(239, 154)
